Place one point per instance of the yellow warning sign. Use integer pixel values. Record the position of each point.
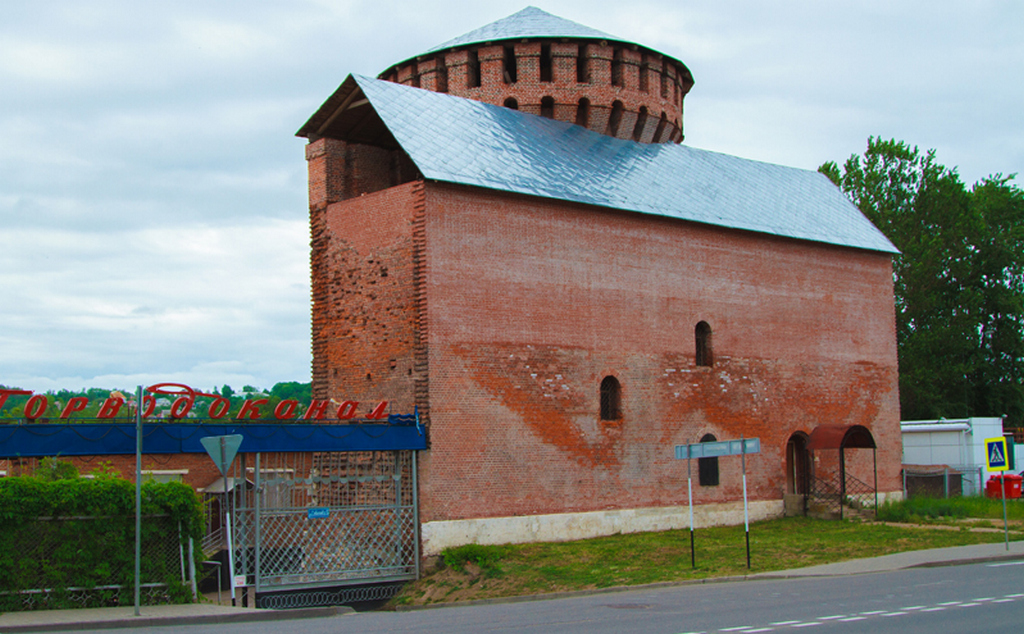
(995, 454)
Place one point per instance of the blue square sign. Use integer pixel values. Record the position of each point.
(995, 454)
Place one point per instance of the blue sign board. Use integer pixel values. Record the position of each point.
(319, 513)
(717, 449)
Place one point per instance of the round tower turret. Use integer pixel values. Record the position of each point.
(545, 65)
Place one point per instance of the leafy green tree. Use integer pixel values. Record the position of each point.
(958, 281)
(301, 392)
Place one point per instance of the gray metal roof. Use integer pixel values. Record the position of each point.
(472, 143)
(531, 22)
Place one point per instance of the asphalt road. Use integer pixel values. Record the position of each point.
(974, 598)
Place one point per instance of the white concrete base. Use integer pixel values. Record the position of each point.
(559, 527)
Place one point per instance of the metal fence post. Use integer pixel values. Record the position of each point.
(192, 568)
(258, 480)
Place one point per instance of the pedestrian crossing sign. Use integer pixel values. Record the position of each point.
(995, 454)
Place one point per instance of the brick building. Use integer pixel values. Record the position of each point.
(509, 236)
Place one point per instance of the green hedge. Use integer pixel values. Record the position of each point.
(80, 533)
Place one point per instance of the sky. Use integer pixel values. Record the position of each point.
(153, 192)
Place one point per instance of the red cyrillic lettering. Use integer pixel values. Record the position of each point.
(379, 412)
(317, 409)
(75, 404)
(347, 410)
(181, 407)
(285, 409)
(219, 407)
(4, 393)
(36, 406)
(110, 407)
(148, 405)
(251, 409)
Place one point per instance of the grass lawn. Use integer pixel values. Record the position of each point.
(481, 572)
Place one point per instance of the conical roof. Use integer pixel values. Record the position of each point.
(531, 22)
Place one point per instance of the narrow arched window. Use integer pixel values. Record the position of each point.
(511, 67)
(702, 337)
(617, 67)
(547, 107)
(583, 112)
(641, 121)
(707, 468)
(611, 394)
(472, 70)
(414, 77)
(615, 119)
(582, 66)
(660, 130)
(545, 62)
(441, 73)
(511, 103)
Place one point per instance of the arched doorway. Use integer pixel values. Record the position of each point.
(798, 475)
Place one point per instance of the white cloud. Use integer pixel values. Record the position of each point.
(153, 194)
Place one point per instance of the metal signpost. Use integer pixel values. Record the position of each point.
(740, 447)
(138, 496)
(995, 456)
(223, 450)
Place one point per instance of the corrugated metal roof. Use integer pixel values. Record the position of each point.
(531, 22)
(472, 143)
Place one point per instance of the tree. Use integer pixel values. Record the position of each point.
(958, 280)
(292, 390)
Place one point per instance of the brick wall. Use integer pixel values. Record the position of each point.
(366, 311)
(530, 303)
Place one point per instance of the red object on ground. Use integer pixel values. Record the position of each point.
(1012, 485)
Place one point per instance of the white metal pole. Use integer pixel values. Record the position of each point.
(689, 497)
(227, 519)
(746, 513)
(138, 496)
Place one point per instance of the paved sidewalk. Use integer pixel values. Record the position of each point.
(956, 555)
(180, 615)
(151, 615)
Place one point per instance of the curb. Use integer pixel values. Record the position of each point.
(249, 616)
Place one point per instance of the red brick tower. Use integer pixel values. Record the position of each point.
(545, 65)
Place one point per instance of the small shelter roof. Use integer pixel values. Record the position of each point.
(840, 437)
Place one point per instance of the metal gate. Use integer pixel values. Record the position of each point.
(310, 521)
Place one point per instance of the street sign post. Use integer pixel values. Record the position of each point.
(718, 449)
(995, 456)
(222, 450)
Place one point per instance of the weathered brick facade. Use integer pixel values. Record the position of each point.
(498, 316)
(515, 309)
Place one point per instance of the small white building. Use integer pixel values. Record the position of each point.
(957, 443)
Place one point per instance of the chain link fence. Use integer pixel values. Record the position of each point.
(944, 481)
